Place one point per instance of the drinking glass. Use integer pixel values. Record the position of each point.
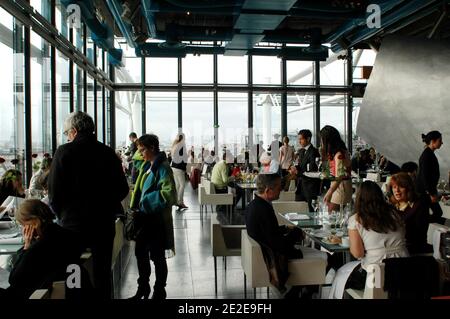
(318, 162)
(11, 214)
(315, 205)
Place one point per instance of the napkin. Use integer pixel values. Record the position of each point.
(437, 243)
(295, 216)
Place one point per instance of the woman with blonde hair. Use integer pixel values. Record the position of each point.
(179, 161)
(47, 251)
(286, 156)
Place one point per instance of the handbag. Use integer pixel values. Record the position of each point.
(134, 224)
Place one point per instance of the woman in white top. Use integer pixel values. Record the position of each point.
(286, 156)
(376, 232)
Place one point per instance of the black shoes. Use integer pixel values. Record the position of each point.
(159, 294)
(142, 293)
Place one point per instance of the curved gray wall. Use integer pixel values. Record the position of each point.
(408, 93)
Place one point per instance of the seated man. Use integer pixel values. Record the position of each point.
(277, 242)
(221, 179)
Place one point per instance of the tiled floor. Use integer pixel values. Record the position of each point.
(191, 271)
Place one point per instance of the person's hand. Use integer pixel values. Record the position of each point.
(434, 198)
(327, 197)
(28, 234)
(293, 170)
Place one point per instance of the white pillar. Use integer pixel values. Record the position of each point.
(267, 122)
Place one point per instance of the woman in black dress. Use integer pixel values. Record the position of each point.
(428, 174)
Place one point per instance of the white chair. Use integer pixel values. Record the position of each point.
(225, 241)
(374, 284)
(290, 207)
(116, 262)
(287, 196)
(207, 196)
(58, 291)
(307, 271)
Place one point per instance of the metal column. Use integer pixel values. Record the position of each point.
(317, 106)
(283, 99)
(216, 107)
(180, 96)
(143, 100)
(350, 101)
(112, 110)
(27, 96)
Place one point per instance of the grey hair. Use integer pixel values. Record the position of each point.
(264, 181)
(80, 121)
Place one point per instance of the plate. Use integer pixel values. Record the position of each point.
(321, 233)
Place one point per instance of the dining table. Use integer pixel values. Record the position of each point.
(6, 247)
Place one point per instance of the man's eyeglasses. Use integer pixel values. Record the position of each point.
(66, 132)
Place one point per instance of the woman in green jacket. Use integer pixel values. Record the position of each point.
(154, 195)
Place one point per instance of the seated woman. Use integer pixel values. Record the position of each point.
(36, 179)
(376, 232)
(414, 212)
(48, 250)
(11, 185)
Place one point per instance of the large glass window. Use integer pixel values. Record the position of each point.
(363, 61)
(232, 69)
(90, 96)
(162, 116)
(62, 95)
(266, 117)
(198, 119)
(300, 72)
(333, 71)
(233, 123)
(266, 70)
(333, 112)
(100, 113)
(123, 127)
(40, 98)
(300, 115)
(12, 137)
(61, 18)
(131, 72)
(78, 88)
(107, 118)
(42, 7)
(161, 70)
(197, 69)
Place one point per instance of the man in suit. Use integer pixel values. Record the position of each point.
(307, 188)
(86, 186)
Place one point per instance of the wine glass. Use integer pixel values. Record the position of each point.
(318, 162)
(11, 214)
(315, 206)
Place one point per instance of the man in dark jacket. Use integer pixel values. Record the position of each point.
(277, 242)
(307, 188)
(86, 187)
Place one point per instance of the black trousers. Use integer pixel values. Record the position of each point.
(149, 246)
(436, 217)
(100, 241)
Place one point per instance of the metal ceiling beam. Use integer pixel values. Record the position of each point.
(116, 9)
(358, 22)
(407, 10)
